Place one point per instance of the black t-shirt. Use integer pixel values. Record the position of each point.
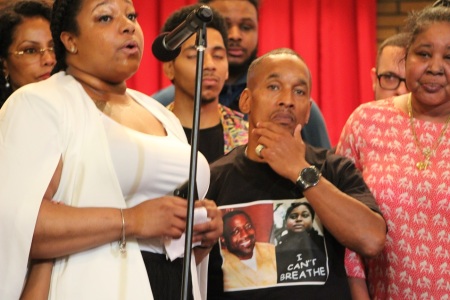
(210, 141)
(236, 179)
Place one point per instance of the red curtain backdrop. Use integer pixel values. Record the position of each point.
(337, 39)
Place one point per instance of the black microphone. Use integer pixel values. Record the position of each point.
(166, 45)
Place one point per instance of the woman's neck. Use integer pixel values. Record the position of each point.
(98, 88)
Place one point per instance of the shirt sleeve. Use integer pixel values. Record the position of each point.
(29, 153)
(349, 140)
(354, 265)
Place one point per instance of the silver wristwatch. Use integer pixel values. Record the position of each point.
(308, 177)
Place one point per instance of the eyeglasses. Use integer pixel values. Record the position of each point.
(33, 53)
(389, 81)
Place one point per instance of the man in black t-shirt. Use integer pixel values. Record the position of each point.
(276, 169)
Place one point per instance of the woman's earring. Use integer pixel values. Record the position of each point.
(73, 50)
(7, 85)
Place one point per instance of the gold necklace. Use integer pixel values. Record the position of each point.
(426, 152)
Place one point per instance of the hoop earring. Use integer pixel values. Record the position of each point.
(7, 84)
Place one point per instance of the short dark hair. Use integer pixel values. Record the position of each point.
(63, 19)
(217, 22)
(233, 213)
(400, 40)
(10, 18)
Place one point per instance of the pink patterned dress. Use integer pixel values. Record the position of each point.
(415, 263)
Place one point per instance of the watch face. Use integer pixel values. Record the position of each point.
(310, 175)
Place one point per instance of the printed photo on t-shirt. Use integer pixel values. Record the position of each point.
(272, 243)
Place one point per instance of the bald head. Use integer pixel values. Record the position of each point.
(281, 53)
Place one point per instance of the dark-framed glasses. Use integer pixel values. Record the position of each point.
(390, 81)
(33, 53)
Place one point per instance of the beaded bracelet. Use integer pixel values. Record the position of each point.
(123, 241)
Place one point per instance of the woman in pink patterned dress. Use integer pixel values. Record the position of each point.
(402, 146)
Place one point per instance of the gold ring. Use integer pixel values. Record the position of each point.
(258, 150)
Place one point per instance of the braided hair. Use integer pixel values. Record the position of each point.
(63, 19)
(11, 17)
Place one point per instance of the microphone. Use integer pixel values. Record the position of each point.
(166, 46)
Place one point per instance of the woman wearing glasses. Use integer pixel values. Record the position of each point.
(402, 146)
(26, 45)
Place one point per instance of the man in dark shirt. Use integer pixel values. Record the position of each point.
(277, 168)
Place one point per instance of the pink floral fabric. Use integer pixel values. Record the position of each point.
(415, 263)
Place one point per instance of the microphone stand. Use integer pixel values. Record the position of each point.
(200, 44)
